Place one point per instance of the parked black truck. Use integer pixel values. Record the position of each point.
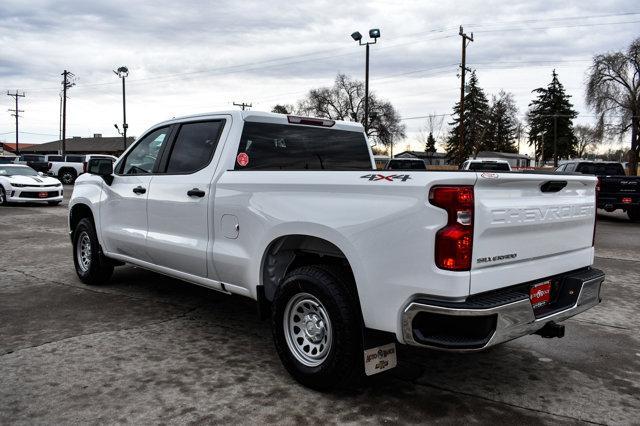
(616, 189)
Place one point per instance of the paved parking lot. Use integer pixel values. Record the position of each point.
(146, 349)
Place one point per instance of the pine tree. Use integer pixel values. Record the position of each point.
(550, 119)
(476, 107)
(502, 124)
(430, 146)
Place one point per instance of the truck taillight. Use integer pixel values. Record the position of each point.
(454, 242)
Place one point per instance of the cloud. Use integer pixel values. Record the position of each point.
(196, 56)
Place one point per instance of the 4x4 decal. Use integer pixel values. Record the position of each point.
(390, 178)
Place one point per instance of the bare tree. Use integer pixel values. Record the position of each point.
(588, 139)
(345, 101)
(613, 91)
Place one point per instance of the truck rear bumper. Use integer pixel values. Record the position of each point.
(495, 317)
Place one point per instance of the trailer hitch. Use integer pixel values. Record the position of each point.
(551, 329)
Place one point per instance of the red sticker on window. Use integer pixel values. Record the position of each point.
(242, 159)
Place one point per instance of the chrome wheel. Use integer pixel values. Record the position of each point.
(83, 251)
(307, 329)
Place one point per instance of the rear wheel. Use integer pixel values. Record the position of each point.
(317, 328)
(91, 265)
(634, 214)
(67, 176)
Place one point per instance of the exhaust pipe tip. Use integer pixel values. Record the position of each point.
(551, 330)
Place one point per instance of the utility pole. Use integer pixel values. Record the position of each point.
(66, 84)
(16, 114)
(60, 119)
(465, 41)
(243, 105)
(555, 140)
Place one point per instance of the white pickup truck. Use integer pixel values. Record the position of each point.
(68, 168)
(348, 261)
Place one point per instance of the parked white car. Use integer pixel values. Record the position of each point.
(486, 165)
(347, 260)
(68, 168)
(22, 184)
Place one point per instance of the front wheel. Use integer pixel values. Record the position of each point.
(634, 214)
(91, 265)
(317, 328)
(3, 197)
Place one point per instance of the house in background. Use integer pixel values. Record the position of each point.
(429, 158)
(9, 148)
(79, 145)
(515, 160)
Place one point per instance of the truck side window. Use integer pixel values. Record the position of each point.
(571, 167)
(143, 156)
(194, 146)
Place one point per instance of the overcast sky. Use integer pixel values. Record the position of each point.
(197, 56)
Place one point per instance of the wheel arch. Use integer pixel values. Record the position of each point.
(78, 212)
(287, 252)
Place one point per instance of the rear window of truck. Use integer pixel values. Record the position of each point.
(601, 169)
(493, 167)
(267, 146)
(406, 165)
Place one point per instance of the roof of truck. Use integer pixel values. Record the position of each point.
(264, 117)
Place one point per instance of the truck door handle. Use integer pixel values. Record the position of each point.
(195, 192)
(139, 190)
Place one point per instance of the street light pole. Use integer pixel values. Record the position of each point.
(374, 34)
(366, 92)
(123, 73)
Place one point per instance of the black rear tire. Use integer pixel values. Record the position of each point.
(91, 265)
(634, 214)
(342, 363)
(67, 176)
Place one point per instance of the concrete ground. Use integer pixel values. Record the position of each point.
(149, 349)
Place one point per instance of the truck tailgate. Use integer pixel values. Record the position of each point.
(530, 226)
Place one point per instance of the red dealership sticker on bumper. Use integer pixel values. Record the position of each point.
(540, 294)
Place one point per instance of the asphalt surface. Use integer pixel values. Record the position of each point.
(149, 349)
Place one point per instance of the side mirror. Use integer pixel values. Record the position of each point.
(102, 167)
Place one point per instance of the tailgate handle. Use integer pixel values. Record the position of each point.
(553, 185)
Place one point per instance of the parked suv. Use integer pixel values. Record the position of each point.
(616, 190)
(348, 261)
